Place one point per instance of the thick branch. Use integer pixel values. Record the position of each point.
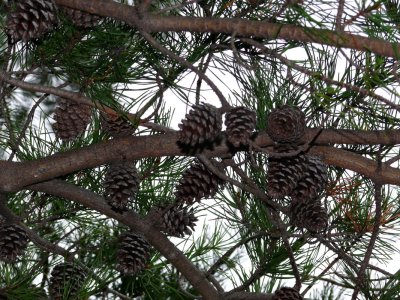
(133, 220)
(244, 28)
(16, 175)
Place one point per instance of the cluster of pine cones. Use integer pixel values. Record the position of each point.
(296, 175)
(31, 19)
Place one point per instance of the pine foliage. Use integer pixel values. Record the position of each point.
(298, 187)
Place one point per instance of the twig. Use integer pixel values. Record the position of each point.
(378, 213)
(176, 6)
(304, 70)
(182, 61)
(3, 104)
(237, 55)
(284, 235)
(203, 68)
(246, 186)
(28, 120)
(228, 253)
(363, 12)
(339, 24)
(260, 271)
(160, 94)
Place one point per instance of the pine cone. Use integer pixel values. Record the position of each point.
(310, 215)
(314, 180)
(202, 125)
(240, 123)
(177, 220)
(285, 293)
(132, 254)
(116, 126)
(284, 172)
(80, 18)
(71, 119)
(30, 19)
(66, 280)
(196, 183)
(286, 124)
(121, 184)
(13, 241)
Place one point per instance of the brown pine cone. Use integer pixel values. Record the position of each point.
(286, 124)
(240, 123)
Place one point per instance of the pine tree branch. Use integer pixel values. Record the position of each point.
(16, 175)
(141, 225)
(244, 28)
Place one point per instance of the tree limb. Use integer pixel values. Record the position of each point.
(133, 220)
(244, 28)
(16, 175)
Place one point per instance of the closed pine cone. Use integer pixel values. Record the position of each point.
(121, 184)
(71, 119)
(13, 241)
(314, 180)
(240, 123)
(177, 220)
(132, 254)
(284, 172)
(202, 125)
(116, 126)
(65, 281)
(30, 19)
(80, 18)
(286, 293)
(286, 124)
(310, 215)
(197, 183)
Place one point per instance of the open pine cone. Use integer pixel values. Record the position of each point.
(286, 124)
(197, 183)
(284, 172)
(132, 254)
(116, 126)
(13, 241)
(65, 281)
(30, 19)
(80, 18)
(240, 123)
(121, 184)
(310, 215)
(202, 125)
(313, 181)
(71, 119)
(177, 220)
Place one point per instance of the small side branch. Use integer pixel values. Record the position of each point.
(182, 61)
(374, 236)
